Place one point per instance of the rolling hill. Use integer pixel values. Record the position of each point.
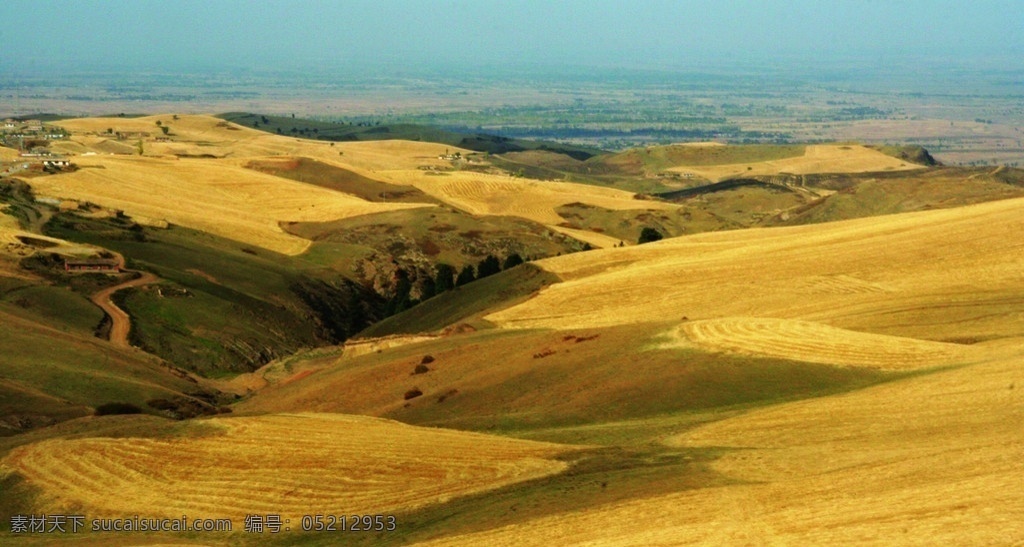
(829, 354)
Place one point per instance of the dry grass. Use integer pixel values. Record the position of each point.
(484, 194)
(596, 240)
(824, 158)
(928, 460)
(9, 154)
(286, 464)
(215, 196)
(937, 275)
(213, 193)
(12, 246)
(816, 343)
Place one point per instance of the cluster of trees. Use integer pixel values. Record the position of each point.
(446, 278)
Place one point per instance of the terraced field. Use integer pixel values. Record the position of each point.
(285, 464)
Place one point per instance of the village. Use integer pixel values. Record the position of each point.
(32, 138)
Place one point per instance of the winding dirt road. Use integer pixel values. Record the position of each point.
(120, 321)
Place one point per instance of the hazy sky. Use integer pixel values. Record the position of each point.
(280, 34)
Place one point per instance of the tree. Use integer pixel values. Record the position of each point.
(444, 280)
(649, 234)
(467, 275)
(511, 261)
(427, 288)
(488, 267)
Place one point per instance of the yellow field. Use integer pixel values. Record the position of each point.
(215, 196)
(291, 465)
(816, 343)
(929, 460)
(8, 154)
(822, 158)
(596, 240)
(485, 194)
(209, 189)
(11, 245)
(937, 275)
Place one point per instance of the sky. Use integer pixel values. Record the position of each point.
(273, 34)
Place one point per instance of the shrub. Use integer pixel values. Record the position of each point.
(110, 409)
(413, 393)
(421, 369)
(648, 235)
(427, 359)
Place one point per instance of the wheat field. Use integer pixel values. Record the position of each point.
(291, 465)
(820, 158)
(924, 461)
(815, 343)
(218, 197)
(201, 166)
(884, 275)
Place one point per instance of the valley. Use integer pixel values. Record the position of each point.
(822, 344)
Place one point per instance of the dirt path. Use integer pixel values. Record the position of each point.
(120, 321)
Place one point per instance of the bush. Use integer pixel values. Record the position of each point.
(110, 409)
(649, 234)
(421, 369)
(413, 393)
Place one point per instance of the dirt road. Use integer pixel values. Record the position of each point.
(121, 322)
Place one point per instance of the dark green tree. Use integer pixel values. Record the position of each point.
(427, 288)
(649, 234)
(511, 261)
(444, 280)
(488, 267)
(467, 275)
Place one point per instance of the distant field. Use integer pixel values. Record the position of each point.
(654, 159)
(832, 158)
(217, 197)
(202, 161)
(307, 464)
(536, 200)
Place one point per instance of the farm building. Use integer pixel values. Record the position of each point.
(91, 265)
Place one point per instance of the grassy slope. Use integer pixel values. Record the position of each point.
(465, 302)
(658, 158)
(52, 375)
(229, 307)
(938, 188)
(333, 131)
(332, 177)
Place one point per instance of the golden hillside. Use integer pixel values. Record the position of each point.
(287, 464)
(200, 164)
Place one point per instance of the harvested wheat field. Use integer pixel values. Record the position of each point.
(923, 461)
(215, 196)
(201, 162)
(815, 343)
(821, 158)
(292, 465)
(485, 194)
(930, 274)
(596, 240)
